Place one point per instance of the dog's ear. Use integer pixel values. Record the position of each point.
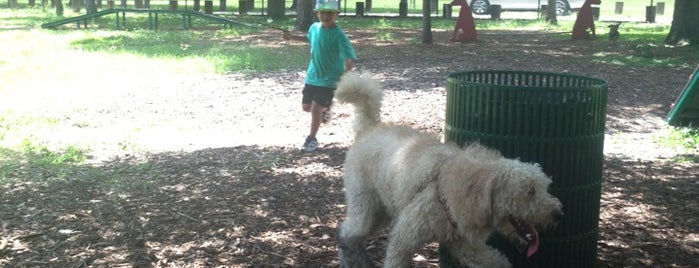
(467, 188)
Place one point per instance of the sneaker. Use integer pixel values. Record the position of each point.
(311, 144)
(327, 115)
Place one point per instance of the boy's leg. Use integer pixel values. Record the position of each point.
(324, 98)
(311, 143)
(316, 115)
(307, 98)
(316, 100)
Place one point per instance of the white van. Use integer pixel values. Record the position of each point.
(562, 6)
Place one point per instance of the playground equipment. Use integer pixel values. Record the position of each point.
(465, 29)
(120, 21)
(685, 110)
(585, 21)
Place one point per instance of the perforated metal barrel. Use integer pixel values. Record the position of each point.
(556, 120)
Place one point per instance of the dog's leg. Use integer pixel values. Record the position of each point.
(365, 214)
(352, 253)
(477, 256)
(353, 234)
(408, 233)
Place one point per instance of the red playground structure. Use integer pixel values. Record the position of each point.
(465, 30)
(585, 22)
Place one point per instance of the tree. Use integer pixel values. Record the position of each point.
(59, 7)
(426, 22)
(685, 23)
(76, 5)
(90, 7)
(304, 14)
(551, 12)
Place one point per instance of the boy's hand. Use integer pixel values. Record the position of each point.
(349, 64)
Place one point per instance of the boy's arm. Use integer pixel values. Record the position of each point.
(349, 64)
(290, 36)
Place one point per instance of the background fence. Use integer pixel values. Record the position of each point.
(609, 10)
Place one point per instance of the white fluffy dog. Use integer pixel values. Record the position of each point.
(428, 191)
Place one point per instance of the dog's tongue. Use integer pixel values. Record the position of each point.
(533, 241)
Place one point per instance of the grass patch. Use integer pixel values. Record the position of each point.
(198, 50)
(641, 46)
(37, 162)
(683, 137)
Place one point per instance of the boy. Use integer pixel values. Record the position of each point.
(332, 55)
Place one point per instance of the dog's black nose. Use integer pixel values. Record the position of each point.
(557, 214)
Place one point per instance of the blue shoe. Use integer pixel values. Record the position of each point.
(310, 145)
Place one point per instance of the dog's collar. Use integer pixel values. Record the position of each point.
(443, 201)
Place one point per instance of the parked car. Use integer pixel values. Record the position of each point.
(562, 6)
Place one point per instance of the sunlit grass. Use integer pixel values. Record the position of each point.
(60, 56)
(34, 160)
(684, 137)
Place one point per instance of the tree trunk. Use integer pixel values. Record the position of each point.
(12, 4)
(551, 16)
(304, 15)
(90, 7)
(685, 23)
(59, 7)
(77, 5)
(426, 22)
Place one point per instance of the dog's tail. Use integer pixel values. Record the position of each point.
(365, 94)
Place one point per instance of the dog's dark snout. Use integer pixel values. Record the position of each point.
(557, 214)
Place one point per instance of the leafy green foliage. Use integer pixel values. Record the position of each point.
(201, 45)
(686, 137)
(38, 162)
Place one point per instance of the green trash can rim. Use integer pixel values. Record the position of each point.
(595, 83)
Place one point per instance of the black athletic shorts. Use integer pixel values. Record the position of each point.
(321, 95)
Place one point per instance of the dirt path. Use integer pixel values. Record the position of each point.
(224, 185)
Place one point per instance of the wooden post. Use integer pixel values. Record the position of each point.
(660, 8)
(618, 7)
(243, 7)
(173, 4)
(276, 9)
(209, 7)
(650, 14)
(403, 8)
(446, 11)
(495, 11)
(360, 9)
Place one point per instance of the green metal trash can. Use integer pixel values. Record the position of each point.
(556, 120)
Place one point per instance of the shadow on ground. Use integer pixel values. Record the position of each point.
(648, 213)
(224, 207)
(251, 206)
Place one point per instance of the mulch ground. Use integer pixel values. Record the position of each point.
(223, 183)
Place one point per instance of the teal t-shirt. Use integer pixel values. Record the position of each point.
(329, 50)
